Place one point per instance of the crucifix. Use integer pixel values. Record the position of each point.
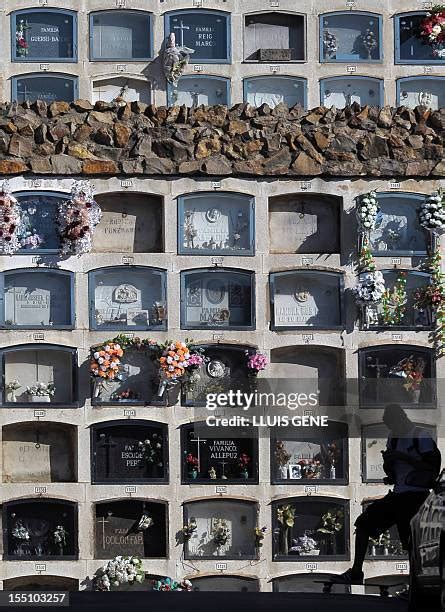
(103, 520)
(106, 442)
(195, 96)
(223, 464)
(377, 366)
(22, 90)
(198, 441)
(181, 27)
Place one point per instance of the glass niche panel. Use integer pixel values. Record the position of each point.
(319, 370)
(40, 529)
(421, 91)
(305, 583)
(197, 90)
(306, 298)
(224, 528)
(226, 583)
(44, 35)
(124, 451)
(38, 226)
(38, 299)
(320, 455)
(41, 583)
(302, 223)
(217, 299)
(274, 90)
(397, 374)
(49, 88)
(320, 528)
(137, 382)
(50, 365)
(385, 546)
(397, 230)
(341, 92)
(274, 37)
(410, 48)
(225, 369)
(130, 90)
(384, 585)
(39, 452)
(223, 454)
(119, 35)
(221, 223)
(207, 33)
(131, 223)
(350, 37)
(130, 528)
(388, 313)
(129, 296)
(374, 438)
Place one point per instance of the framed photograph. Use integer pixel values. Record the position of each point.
(294, 471)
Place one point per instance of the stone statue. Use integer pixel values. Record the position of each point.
(176, 59)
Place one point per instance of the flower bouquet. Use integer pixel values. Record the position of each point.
(41, 392)
(77, 219)
(220, 533)
(168, 584)
(243, 461)
(412, 370)
(256, 362)
(282, 458)
(10, 215)
(432, 30)
(105, 364)
(304, 546)
(329, 44)
(367, 212)
(152, 450)
(59, 536)
(370, 288)
(119, 571)
(286, 518)
(432, 212)
(178, 361)
(260, 533)
(382, 542)
(368, 41)
(144, 522)
(394, 302)
(311, 468)
(21, 44)
(11, 387)
(19, 532)
(192, 465)
(189, 529)
(29, 238)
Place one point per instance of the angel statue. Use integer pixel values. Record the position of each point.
(176, 59)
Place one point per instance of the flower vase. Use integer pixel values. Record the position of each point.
(193, 474)
(415, 395)
(39, 399)
(386, 551)
(244, 474)
(282, 472)
(162, 387)
(10, 396)
(283, 541)
(97, 388)
(373, 550)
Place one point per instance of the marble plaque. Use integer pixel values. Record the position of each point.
(205, 32)
(26, 462)
(422, 92)
(344, 92)
(130, 90)
(112, 537)
(197, 90)
(47, 34)
(397, 228)
(274, 90)
(121, 35)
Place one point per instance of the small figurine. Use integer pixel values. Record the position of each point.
(212, 473)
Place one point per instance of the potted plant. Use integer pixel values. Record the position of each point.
(243, 461)
(260, 533)
(192, 465)
(220, 533)
(331, 524)
(286, 517)
(11, 388)
(41, 392)
(282, 459)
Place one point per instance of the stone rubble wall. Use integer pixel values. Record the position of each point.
(140, 139)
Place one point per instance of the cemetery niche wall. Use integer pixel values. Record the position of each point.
(39, 452)
(224, 368)
(211, 455)
(310, 369)
(131, 223)
(121, 35)
(319, 456)
(205, 32)
(410, 48)
(275, 37)
(40, 529)
(397, 230)
(306, 298)
(351, 36)
(131, 297)
(402, 305)
(32, 298)
(397, 374)
(125, 88)
(374, 438)
(129, 452)
(424, 91)
(39, 374)
(344, 91)
(304, 223)
(194, 90)
(304, 583)
(274, 90)
(385, 546)
(44, 34)
(217, 298)
(225, 583)
(386, 583)
(130, 527)
(223, 529)
(47, 87)
(314, 527)
(216, 223)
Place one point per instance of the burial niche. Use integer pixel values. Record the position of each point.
(127, 89)
(384, 585)
(217, 224)
(38, 299)
(128, 297)
(397, 230)
(350, 37)
(304, 583)
(274, 90)
(374, 438)
(315, 527)
(44, 35)
(397, 374)
(40, 529)
(225, 583)
(121, 35)
(341, 91)
(385, 546)
(41, 583)
(130, 527)
(302, 223)
(306, 298)
(320, 456)
(124, 451)
(194, 90)
(39, 452)
(39, 373)
(217, 299)
(38, 224)
(222, 454)
(410, 48)
(421, 91)
(310, 370)
(225, 368)
(205, 32)
(131, 223)
(224, 528)
(274, 37)
(49, 88)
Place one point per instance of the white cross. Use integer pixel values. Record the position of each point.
(199, 441)
(181, 27)
(222, 464)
